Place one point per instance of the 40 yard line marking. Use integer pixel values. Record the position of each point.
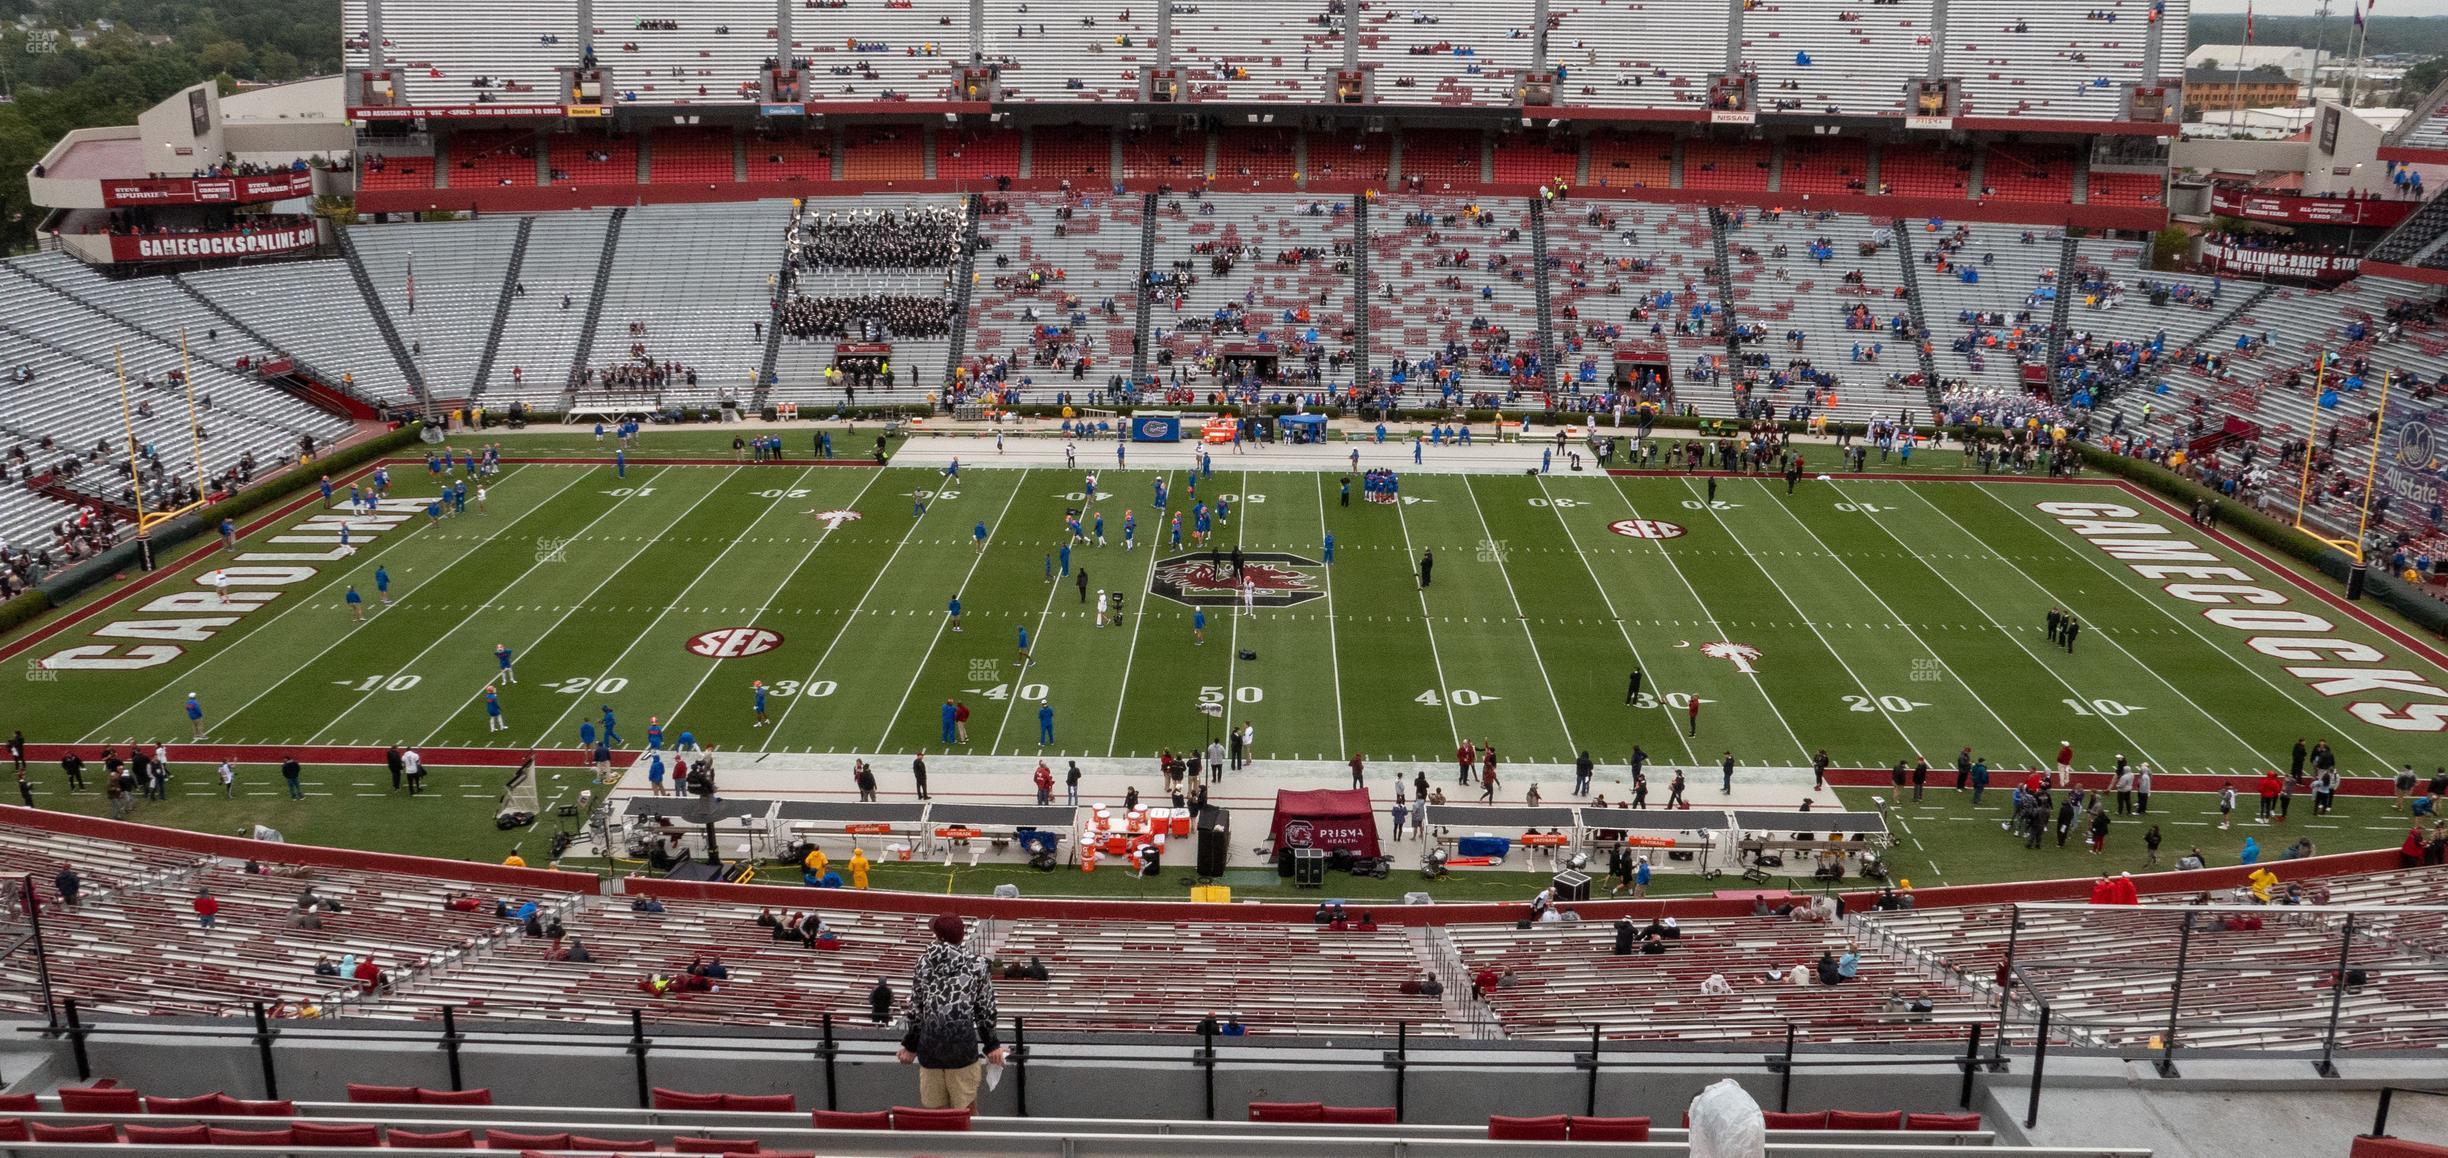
(512, 585)
(2154, 604)
(1427, 624)
(1502, 572)
(679, 599)
(919, 672)
(1011, 706)
(1114, 736)
(338, 576)
(767, 603)
(847, 621)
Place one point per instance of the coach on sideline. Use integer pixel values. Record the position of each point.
(952, 1019)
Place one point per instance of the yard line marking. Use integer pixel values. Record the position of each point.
(1011, 706)
(976, 558)
(2107, 636)
(1688, 751)
(2037, 760)
(2155, 605)
(787, 576)
(1527, 636)
(640, 636)
(1232, 647)
(531, 567)
(1326, 576)
(1762, 689)
(1114, 736)
(338, 576)
(1444, 690)
(872, 584)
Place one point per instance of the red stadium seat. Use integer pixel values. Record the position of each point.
(277, 1108)
(1865, 1120)
(514, 1140)
(225, 1136)
(382, 1095)
(1359, 1115)
(1287, 1111)
(761, 1103)
(200, 1104)
(664, 1099)
(913, 1118)
(584, 1142)
(12, 1130)
(1545, 1128)
(849, 1120)
(19, 1104)
(330, 1134)
(46, 1132)
(426, 1097)
(193, 1134)
(399, 1139)
(1607, 1129)
(714, 1145)
(100, 1100)
(1779, 1120)
(1956, 1123)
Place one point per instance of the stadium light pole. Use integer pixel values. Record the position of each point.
(127, 423)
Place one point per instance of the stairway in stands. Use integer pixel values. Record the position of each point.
(1909, 268)
(1147, 312)
(594, 314)
(2260, 294)
(1360, 284)
(1547, 344)
(956, 350)
(501, 307)
(1723, 276)
(2068, 254)
(382, 322)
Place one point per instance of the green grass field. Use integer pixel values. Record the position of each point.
(1876, 619)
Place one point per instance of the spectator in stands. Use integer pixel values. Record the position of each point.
(369, 977)
(880, 1002)
(206, 908)
(952, 1019)
(69, 884)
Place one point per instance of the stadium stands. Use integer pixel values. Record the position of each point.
(337, 337)
(1822, 288)
(592, 160)
(1453, 287)
(509, 57)
(440, 283)
(2061, 62)
(691, 155)
(1245, 52)
(1175, 157)
(1033, 257)
(1096, 57)
(883, 153)
(1725, 165)
(1853, 59)
(708, 55)
(548, 308)
(1443, 161)
(484, 159)
(683, 291)
(784, 155)
(971, 156)
(1250, 158)
(1604, 66)
(1445, 52)
(1271, 276)
(1075, 153)
(1618, 159)
(1348, 157)
(909, 50)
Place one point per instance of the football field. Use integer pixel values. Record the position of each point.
(1877, 618)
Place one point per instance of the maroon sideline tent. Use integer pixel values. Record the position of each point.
(1328, 818)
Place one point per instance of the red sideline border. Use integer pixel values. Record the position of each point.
(2162, 783)
(351, 754)
(491, 876)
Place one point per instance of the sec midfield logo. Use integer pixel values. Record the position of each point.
(733, 642)
(1645, 529)
(1281, 579)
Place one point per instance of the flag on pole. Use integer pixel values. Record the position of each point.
(2360, 9)
(2248, 23)
(412, 257)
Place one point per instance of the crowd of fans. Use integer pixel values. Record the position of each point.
(920, 237)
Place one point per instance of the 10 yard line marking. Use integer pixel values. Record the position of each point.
(1155, 552)
(847, 622)
(1527, 637)
(308, 600)
(640, 636)
(977, 557)
(2106, 637)
(437, 640)
(1688, 751)
(2231, 657)
(787, 576)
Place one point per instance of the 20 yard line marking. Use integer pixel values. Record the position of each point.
(307, 600)
(978, 557)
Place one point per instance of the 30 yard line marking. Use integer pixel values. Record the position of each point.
(2037, 760)
(513, 585)
(919, 672)
(2125, 582)
(2106, 636)
(1502, 572)
(1757, 687)
(787, 576)
(1114, 736)
(1621, 627)
(640, 636)
(338, 577)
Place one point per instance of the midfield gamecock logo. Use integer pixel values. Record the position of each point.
(1202, 580)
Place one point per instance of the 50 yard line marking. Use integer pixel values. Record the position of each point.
(338, 576)
(847, 621)
(1232, 647)
(646, 541)
(1570, 748)
(678, 599)
(976, 557)
(1155, 552)
(1326, 577)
